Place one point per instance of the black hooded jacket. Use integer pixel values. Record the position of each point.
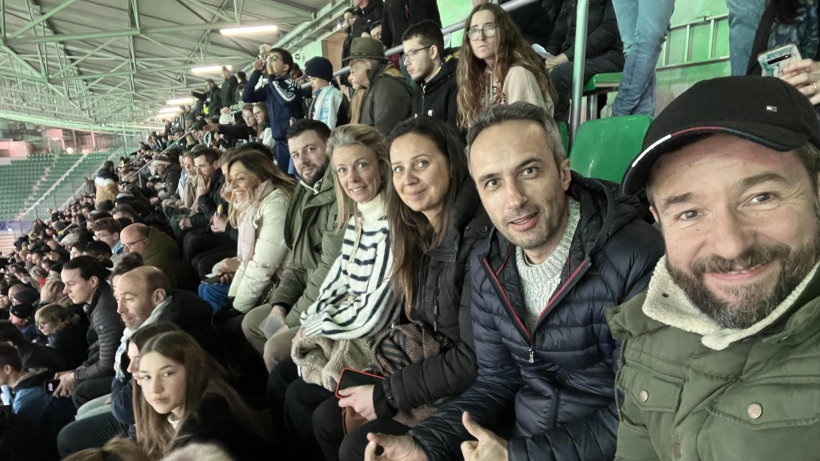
(70, 342)
(438, 98)
(558, 382)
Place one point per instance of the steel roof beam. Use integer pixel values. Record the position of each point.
(127, 32)
(42, 18)
(209, 9)
(61, 123)
(102, 75)
(84, 57)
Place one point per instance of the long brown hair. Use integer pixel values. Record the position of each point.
(351, 135)
(203, 375)
(511, 50)
(263, 169)
(260, 127)
(412, 234)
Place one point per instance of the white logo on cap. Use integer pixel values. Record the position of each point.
(771, 108)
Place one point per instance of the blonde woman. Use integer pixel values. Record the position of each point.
(355, 301)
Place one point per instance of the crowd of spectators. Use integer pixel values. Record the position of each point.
(400, 265)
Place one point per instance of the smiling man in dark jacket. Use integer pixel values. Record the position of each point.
(565, 249)
(434, 69)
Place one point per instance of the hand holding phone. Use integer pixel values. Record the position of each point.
(353, 378)
(773, 62)
(51, 385)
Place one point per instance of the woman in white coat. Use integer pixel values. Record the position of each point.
(258, 207)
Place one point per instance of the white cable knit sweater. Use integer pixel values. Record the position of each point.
(540, 281)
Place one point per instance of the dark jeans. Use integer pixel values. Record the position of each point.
(91, 389)
(92, 432)
(201, 240)
(561, 77)
(292, 403)
(338, 446)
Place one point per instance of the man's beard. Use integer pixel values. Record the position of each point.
(318, 172)
(751, 303)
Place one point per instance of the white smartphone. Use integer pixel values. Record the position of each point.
(774, 61)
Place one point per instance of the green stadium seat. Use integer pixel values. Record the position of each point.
(562, 129)
(604, 148)
(597, 85)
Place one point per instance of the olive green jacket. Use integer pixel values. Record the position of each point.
(691, 390)
(311, 234)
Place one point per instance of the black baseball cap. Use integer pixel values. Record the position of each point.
(764, 110)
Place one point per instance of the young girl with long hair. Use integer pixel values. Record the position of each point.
(263, 132)
(497, 66)
(182, 397)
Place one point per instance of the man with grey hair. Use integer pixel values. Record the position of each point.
(565, 248)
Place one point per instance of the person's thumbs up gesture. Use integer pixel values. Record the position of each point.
(394, 448)
(487, 447)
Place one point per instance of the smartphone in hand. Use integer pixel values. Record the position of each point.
(353, 378)
(51, 385)
(774, 61)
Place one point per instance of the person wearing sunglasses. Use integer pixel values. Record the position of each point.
(283, 97)
(497, 66)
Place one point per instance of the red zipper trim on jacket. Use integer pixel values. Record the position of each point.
(506, 299)
(564, 287)
(503, 263)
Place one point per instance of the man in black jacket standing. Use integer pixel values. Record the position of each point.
(565, 248)
(85, 284)
(434, 70)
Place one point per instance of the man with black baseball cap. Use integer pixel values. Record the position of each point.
(720, 355)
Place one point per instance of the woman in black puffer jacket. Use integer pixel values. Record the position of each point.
(436, 218)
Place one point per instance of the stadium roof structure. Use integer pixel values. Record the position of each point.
(109, 65)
